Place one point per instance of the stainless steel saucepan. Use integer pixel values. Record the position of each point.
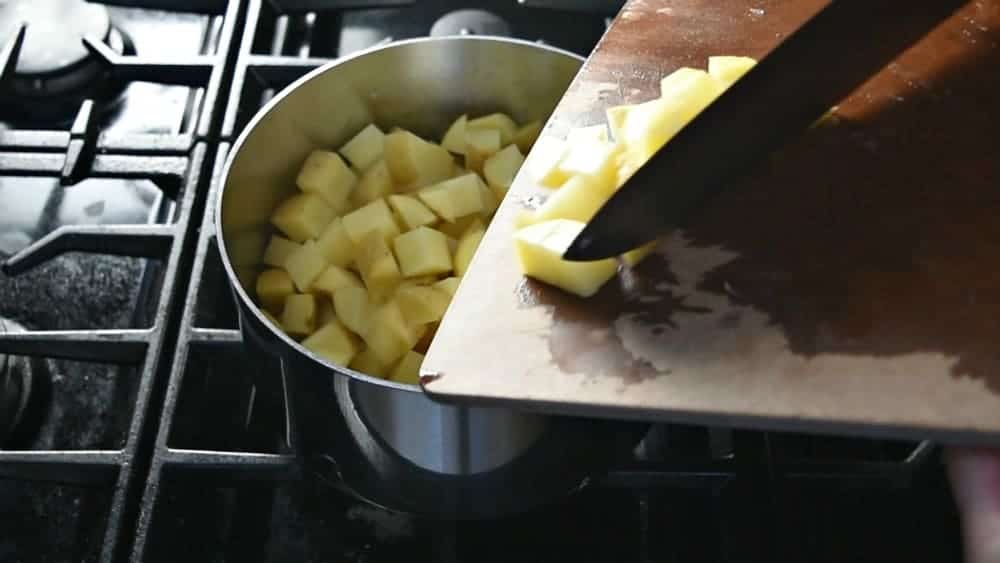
(385, 441)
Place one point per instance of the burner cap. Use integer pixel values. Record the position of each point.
(53, 41)
(470, 22)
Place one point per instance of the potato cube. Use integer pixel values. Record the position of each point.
(589, 133)
(365, 148)
(449, 285)
(728, 69)
(324, 310)
(277, 251)
(378, 267)
(501, 169)
(490, 200)
(650, 125)
(422, 252)
(411, 158)
(455, 230)
(328, 176)
(332, 279)
(247, 247)
(387, 333)
(374, 217)
(684, 82)
(352, 306)
(498, 122)
(334, 343)
(616, 121)
(454, 138)
(410, 212)
(467, 246)
(376, 182)
(540, 248)
(302, 216)
(480, 144)
(421, 304)
(596, 159)
(636, 255)
(273, 286)
(578, 199)
(408, 369)
(368, 363)
(305, 265)
(544, 160)
(299, 315)
(335, 244)
(455, 198)
(527, 135)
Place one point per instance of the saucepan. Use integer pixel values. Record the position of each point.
(384, 441)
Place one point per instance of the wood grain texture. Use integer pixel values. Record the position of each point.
(850, 284)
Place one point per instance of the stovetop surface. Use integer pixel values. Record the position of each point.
(150, 436)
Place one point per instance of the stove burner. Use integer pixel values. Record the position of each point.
(470, 22)
(15, 386)
(55, 72)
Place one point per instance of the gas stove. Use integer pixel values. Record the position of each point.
(135, 427)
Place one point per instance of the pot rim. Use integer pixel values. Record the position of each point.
(244, 298)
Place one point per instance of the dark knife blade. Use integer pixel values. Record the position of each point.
(819, 64)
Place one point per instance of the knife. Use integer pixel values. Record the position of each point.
(819, 64)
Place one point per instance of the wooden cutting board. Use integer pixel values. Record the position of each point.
(850, 285)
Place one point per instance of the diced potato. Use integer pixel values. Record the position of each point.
(410, 158)
(578, 199)
(324, 311)
(499, 122)
(376, 182)
(273, 286)
(378, 267)
(368, 363)
(387, 333)
(305, 265)
(365, 148)
(501, 169)
(589, 133)
(332, 279)
(374, 217)
(410, 212)
(336, 245)
(302, 216)
(277, 251)
(527, 135)
(299, 315)
(455, 230)
(247, 247)
(334, 343)
(729, 69)
(480, 144)
(636, 255)
(595, 159)
(490, 200)
(352, 307)
(543, 161)
(684, 81)
(325, 174)
(408, 369)
(616, 121)
(540, 248)
(454, 138)
(421, 252)
(449, 285)
(455, 198)
(650, 125)
(422, 304)
(467, 246)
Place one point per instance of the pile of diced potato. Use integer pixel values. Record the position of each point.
(585, 169)
(370, 251)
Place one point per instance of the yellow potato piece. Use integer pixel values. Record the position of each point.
(336, 245)
(302, 216)
(352, 307)
(490, 201)
(589, 133)
(729, 69)
(334, 343)
(332, 279)
(454, 138)
(650, 125)
(387, 334)
(455, 230)
(411, 158)
(368, 363)
(365, 148)
(467, 246)
(422, 304)
(422, 252)
(454, 198)
(273, 286)
(324, 310)
(480, 144)
(277, 251)
(499, 122)
(325, 174)
(449, 285)
(411, 212)
(408, 369)
(596, 159)
(374, 217)
(375, 182)
(298, 318)
(527, 135)
(501, 169)
(616, 121)
(378, 267)
(305, 265)
(544, 159)
(540, 248)
(578, 199)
